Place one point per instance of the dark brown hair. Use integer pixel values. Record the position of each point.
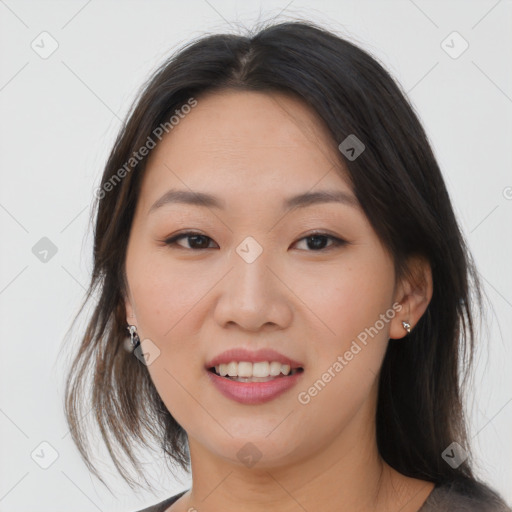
(397, 182)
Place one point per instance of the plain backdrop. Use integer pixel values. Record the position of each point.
(59, 116)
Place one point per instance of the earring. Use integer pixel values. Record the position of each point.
(407, 326)
(135, 340)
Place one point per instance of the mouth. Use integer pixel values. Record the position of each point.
(253, 377)
(243, 387)
(240, 376)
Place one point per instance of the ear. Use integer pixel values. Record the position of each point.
(413, 292)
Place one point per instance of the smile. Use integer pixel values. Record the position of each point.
(253, 390)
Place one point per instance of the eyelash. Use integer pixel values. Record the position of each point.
(337, 242)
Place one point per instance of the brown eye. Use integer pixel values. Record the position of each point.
(196, 240)
(316, 242)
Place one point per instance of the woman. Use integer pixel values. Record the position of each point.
(274, 234)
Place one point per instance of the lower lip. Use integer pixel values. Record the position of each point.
(253, 393)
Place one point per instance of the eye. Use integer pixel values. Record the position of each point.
(196, 240)
(316, 242)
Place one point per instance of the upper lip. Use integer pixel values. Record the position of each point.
(242, 354)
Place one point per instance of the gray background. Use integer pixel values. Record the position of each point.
(58, 119)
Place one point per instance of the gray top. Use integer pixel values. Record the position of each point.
(455, 497)
(464, 497)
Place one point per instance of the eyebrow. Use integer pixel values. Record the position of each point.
(299, 201)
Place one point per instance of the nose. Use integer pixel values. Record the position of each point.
(253, 296)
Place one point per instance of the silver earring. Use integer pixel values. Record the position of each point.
(407, 326)
(135, 340)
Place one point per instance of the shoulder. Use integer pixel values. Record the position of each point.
(163, 505)
(464, 496)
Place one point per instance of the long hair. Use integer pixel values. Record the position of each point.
(401, 190)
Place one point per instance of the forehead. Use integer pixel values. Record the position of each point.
(246, 143)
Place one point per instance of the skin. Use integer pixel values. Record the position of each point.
(253, 150)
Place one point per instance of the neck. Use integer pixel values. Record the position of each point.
(347, 473)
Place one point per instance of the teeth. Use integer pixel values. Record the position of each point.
(246, 369)
(231, 369)
(275, 368)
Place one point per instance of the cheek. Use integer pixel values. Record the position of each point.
(163, 293)
(166, 300)
(348, 299)
(169, 306)
(351, 339)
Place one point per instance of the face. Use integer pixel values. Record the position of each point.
(311, 281)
